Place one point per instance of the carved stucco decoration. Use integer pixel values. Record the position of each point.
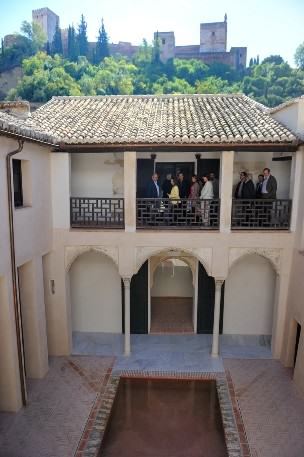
(156, 261)
(72, 252)
(204, 255)
(271, 254)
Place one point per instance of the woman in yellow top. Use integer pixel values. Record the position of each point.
(175, 202)
(174, 194)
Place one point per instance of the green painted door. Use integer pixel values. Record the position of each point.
(205, 302)
(139, 301)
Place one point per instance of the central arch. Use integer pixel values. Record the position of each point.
(172, 289)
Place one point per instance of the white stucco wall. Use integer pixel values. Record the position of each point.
(255, 162)
(172, 283)
(249, 297)
(95, 291)
(97, 175)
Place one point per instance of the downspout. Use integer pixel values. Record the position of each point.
(17, 307)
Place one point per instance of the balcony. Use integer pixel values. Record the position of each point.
(97, 212)
(261, 214)
(184, 214)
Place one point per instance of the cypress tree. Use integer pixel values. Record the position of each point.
(102, 45)
(72, 44)
(56, 47)
(82, 37)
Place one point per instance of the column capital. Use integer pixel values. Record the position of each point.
(126, 281)
(219, 282)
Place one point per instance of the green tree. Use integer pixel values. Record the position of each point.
(102, 45)
(56, 47)
(82, 37)
(275, 59)
(211, 85)
(73, 49)
(33, 31)
(299, 56)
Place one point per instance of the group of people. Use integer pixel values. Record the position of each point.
(266, 187)
(176, 188)
(186, 200)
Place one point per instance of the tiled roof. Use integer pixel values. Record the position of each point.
(151, 120)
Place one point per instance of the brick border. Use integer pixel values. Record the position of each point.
(238, 417)
(96, 425)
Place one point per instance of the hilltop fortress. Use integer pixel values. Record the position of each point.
(211, 48)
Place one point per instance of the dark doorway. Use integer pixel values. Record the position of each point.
(145, 169)
(206, 166)
(163, 168)
(138, 301)
(297, 344)
(205, 302)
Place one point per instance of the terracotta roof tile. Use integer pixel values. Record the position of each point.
(136, 120)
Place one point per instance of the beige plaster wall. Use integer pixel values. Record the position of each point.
(33, 238)
(95, 288)
(249, 297)
(97, 175)
(172, 281)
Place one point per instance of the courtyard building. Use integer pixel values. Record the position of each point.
(85, 251)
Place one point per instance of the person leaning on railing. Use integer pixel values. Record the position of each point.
(206, 197)
(269, 186)
(174, 199)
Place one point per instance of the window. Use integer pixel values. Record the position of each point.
(17, 180)
(163, 41)
(22, 183)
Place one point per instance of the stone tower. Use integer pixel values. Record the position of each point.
(47, 19)
(213, 36)
(167, 45)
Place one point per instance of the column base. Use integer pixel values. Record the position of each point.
(213, 354)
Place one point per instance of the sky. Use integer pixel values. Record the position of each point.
(265, 26)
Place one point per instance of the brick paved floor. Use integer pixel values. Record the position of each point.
(171, 315)
(272, 411)
(58, 408)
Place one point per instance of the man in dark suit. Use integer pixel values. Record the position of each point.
(183, 186)
(258, 192)
(153, 187)
(152, 208)
(269, 186)
(269, 192)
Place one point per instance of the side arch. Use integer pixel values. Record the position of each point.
(72, 252)
(250, 296)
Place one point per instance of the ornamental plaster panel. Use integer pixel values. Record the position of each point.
(156, 261)
(204, 255)
(271, 254)
(72, 252)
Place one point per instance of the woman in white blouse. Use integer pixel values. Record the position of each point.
(206, 197)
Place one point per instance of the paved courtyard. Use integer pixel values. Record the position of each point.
(61, 407)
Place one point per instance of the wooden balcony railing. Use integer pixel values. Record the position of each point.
(97, 212)
(261, 214)
(163, 213)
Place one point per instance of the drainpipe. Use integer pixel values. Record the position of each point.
(17, 307)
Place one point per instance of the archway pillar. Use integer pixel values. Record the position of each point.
(130, 190)
(227, 160)
(216, 317)
(127, 340)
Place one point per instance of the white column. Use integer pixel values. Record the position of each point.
(227, 160)
(130, 190)
(127, 282)
(60, 180)
(295, 187)
(216, 318)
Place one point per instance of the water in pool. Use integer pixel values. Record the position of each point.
(165, 418)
